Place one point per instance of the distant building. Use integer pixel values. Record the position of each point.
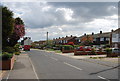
(65, 40)
(26, 41)
(99, 39)
(116, 38)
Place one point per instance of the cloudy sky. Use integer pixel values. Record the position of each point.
(65, 18)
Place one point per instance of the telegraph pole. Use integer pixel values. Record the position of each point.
(47, 38)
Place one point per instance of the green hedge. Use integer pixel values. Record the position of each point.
(108, 50)
(6, 55)
(67, 47)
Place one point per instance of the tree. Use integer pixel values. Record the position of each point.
(7, 25)
(18, 32)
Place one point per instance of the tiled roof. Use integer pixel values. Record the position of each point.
(117, 30)
(65, 38)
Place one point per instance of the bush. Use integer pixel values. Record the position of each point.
(6, 55)
(16, 48)
(17, 53)
(9, 49)
(108, 50)
(93, 51)
(68, 47)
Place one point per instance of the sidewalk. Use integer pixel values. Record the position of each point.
(23, 68)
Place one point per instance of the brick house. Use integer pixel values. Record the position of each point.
(65, 40)
(99, 39)
(116, 38)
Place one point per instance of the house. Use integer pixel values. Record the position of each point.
(26, 41)
(102, 38)
(116, 38)
(65, 40)
(99, 39)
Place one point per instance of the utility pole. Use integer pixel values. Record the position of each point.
(47, 38)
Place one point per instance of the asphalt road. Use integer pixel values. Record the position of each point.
(53, 66)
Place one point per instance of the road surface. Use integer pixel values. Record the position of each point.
(49, 65)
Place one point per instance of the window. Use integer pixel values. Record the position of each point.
(102, 39)
(107, 39)
(94, 39)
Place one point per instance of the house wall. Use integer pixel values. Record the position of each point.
(27, 41)
(116, 39)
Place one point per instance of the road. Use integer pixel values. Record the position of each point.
(54, 66)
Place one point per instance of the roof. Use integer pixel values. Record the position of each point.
(107, 34)
(117, 30)
(65, 38)
(98, 35)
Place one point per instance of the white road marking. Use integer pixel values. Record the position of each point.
(103, 78)
(72, 66)
(34, 69)
(54, 58)
(8, 75)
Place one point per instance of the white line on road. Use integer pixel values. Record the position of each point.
(54, 58)
(72, 66)
(103, 78)
(34, 69)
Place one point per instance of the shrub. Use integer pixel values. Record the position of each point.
(9, 49)
(16, 48)
(93, 51)
(108, 50)
(68, 47)
(6, 55)
(17, 53)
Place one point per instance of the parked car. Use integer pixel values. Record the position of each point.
(115, 50)
(83, 48)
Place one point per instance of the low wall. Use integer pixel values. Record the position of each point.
(7, 64)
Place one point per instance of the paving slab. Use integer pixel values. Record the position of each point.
(22, 69)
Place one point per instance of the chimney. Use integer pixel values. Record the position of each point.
(84, 34)
(100, 32)
(71, 35)
(92, 33)
(59, 37)
(112, 30)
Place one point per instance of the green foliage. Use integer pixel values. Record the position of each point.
(93, 51)
(9, 49)
(68, 47)
(7, 25)
(58, 51)
(6, 55)
(16, 48)
(75, 46)
(17, 53)
(108, 50)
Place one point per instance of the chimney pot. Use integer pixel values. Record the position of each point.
(100, 32)
(92, 33)
(112, 30)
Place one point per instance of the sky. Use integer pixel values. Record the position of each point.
(65, 18)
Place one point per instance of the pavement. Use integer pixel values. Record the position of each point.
(22, 69)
